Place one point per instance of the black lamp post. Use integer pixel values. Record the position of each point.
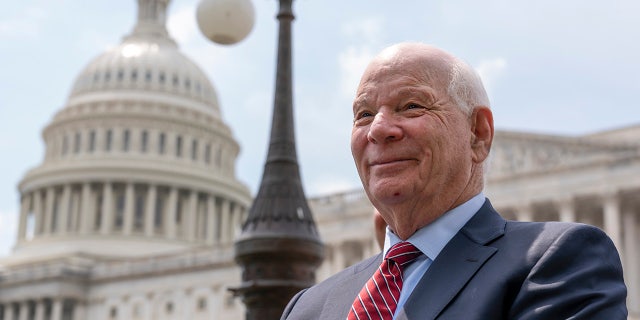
(279, 248)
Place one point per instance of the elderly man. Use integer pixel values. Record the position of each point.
(422, 129)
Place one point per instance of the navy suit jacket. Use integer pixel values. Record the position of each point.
(495, 269)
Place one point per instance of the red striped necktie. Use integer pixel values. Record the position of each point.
(379, 296)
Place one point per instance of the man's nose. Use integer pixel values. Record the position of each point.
(384, 128)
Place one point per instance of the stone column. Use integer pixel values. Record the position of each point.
(150, 210)
(135, 140)
(170, 143)
(8, 311)
(63, 212)
(79, 311)
(24, 310)
(211, 219)
(170, 221)
(612, 224)
(25, 204)
(100, 140)
(152, 141)
(86, 209)
(225, 230)
(40, 305)
(631, 263)
(37, 212)
(567, 210)
(51, 193)
(116, 139)
(56, 310)
(190, 215)
(129, 204)
(107, 208)
(74, 209)
(236, 221)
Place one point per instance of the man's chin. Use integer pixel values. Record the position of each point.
(387, 193)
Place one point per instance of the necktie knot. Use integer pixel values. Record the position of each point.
(402, 253)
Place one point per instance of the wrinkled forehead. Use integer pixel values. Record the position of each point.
(430, 67)
(397, 72)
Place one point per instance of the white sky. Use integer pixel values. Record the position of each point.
(561, 67)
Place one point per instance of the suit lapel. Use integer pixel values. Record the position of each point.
(343, 294)
(455, 265)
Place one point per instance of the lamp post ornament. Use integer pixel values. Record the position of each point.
(279, 248)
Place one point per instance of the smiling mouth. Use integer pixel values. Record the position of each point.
(389, 162)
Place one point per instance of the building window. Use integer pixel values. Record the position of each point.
(139, 214)
(137, 311)
(207, 154)
(108, 140)
(92, 140)
(178, 146)
(147, 76)
(157, 216)
(161, 78)
(76, 143)
(134, 75)
(120, 202)
(179, 205)
(125, 140)
(144, 141)
(98, 218)
(202, 304)
(65, 145)
(161, 143)
(113, 313)
(194, 150)
(169, 307)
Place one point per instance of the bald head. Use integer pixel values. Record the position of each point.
(461, 82)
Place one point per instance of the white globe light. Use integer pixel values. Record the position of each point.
(225, 21)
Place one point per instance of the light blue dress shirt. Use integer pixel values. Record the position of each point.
(431, 239)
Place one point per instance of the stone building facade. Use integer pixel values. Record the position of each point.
(133, 212)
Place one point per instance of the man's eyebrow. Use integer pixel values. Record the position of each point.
(422, 92)
(360, 101)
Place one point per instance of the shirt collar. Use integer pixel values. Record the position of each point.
(432, 238)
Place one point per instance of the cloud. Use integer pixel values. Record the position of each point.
(25, 24)
(368, 29)
(366, 35)
(490, 71)
(353, 60)
(182, 25)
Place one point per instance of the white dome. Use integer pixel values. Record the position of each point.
(147, 61)
(138, 158)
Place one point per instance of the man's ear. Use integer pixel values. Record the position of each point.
(482, 133)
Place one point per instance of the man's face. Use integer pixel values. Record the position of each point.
(410, 142)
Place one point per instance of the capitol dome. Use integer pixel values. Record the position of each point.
(147, 61)
(139, 162)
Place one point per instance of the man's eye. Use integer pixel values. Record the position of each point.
(363, 114)
(413, 106)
